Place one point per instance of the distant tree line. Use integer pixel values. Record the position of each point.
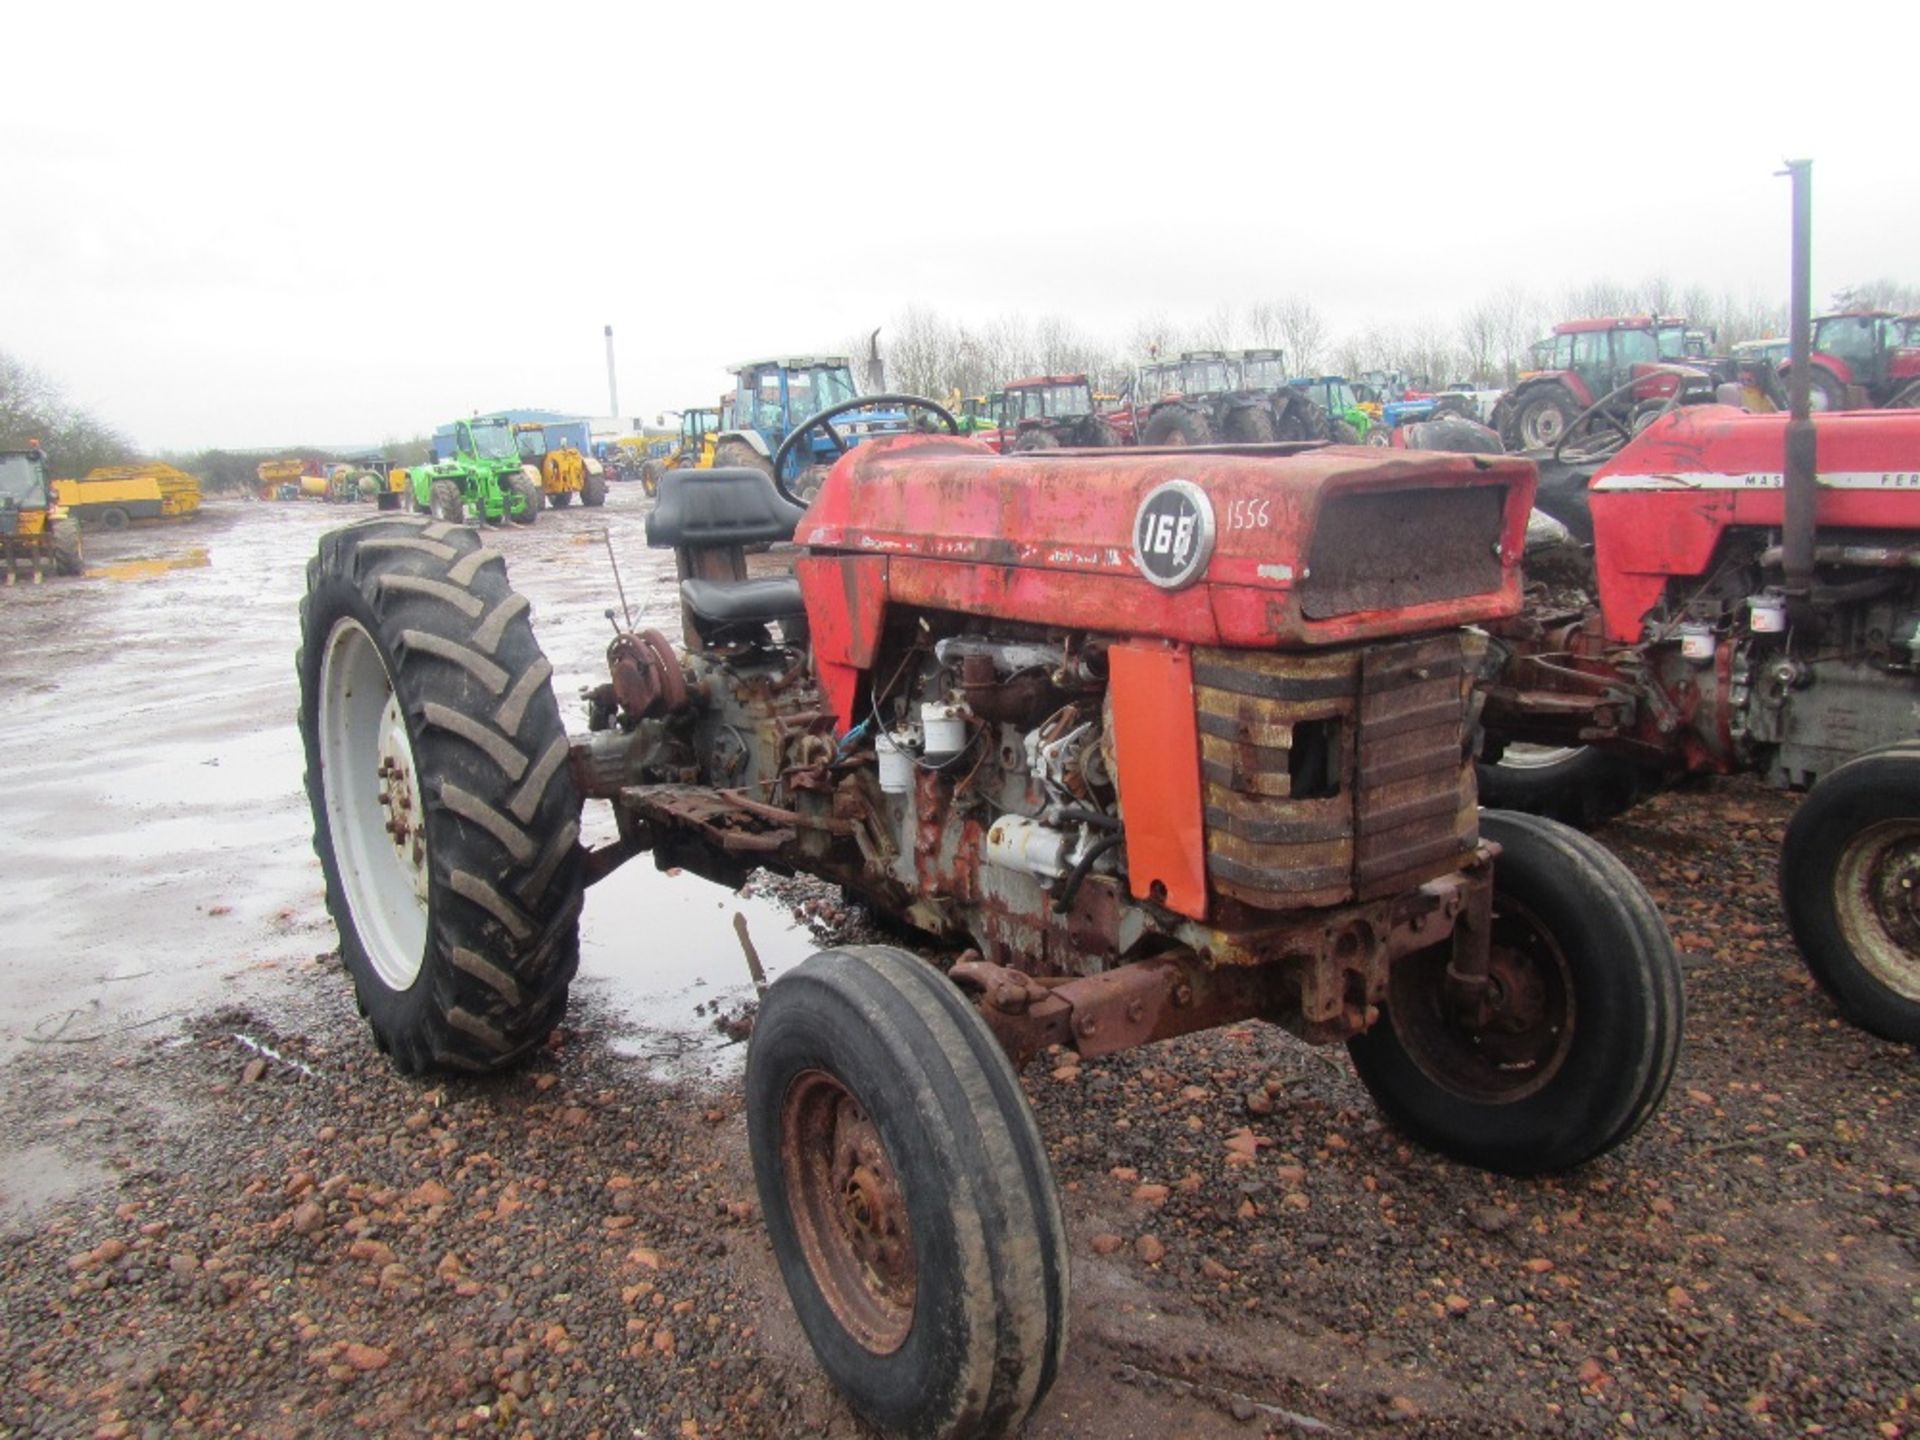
(34, 409)
(1486, 343)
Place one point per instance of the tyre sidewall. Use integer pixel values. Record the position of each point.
(333, 600)
(820, 1028)
(1608, 931)
(1865, 791)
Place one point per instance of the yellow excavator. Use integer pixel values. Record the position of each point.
(35, 528)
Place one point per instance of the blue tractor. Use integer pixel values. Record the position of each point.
(773, 398)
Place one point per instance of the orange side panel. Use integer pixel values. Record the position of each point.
(1156, 736)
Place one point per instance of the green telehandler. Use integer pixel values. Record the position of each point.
(482, 478)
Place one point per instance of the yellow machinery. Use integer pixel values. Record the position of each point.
(562, 472)
(114, 495)
(699, 434)
(34, 528)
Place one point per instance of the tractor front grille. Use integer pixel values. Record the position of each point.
(1394, 549)
(1336, 775)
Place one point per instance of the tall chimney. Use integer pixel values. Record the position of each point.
(613, 388)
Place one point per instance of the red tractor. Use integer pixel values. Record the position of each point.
(1048, 412)
(1139, 742)
(1863, 359)
(1758, 584)
(1629, 368)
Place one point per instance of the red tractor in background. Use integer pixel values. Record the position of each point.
(1048, 412)
(1631, 366)
(1140, 742)
(1864, 359)
(1758, 609)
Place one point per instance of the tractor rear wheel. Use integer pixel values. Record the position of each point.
(738, 454)
(593, 491)
(1850, 877)
(1097, 433)
(532, 499)
(63, 537)
(444, 811)
(1572, 1042)
(1541, 417)
(1824, 388)
(1178, 427)
(1035, 439)
(446, 502)
(1249, 425)
(907, 1195)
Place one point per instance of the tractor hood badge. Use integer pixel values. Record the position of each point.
(1173, 534)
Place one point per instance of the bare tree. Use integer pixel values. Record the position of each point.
(32, 407)
(1880, 294)
(1303, 334)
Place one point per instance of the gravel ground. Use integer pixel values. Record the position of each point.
(307, 1243)
(197, 1237)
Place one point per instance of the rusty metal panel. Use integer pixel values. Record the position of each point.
(1389, 550)
(1279, 828)
(1414, 809)
(1157, 741)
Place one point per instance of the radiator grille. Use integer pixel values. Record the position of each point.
(1334, 775)
(1388, 550)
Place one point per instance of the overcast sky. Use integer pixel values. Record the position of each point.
(334, 223)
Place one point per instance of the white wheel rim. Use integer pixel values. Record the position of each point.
(1520, 756)
(375, 810)
(1543, 428)
(1875, 888)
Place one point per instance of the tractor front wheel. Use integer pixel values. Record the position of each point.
(1177, 427)
(593, 491)
(1542, 417)
(1825, 390)
(444, 811)
(446, 503)
(1850, 877)
(63, 538)
(1570, 1043)
(532, 498)
(907, 1195)
(1249, 425)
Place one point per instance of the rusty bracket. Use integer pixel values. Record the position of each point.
(1115, 1010)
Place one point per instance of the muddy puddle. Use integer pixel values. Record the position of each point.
(153, 823)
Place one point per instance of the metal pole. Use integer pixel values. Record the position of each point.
(1800, 481)
(613, 389)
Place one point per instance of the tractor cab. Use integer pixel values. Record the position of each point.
(1263, 370)
(1046, 412)
(771, 398)
(1865, 359)
(34, 528)
(1621, 363)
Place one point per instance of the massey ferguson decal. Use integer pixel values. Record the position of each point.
(1173, 534)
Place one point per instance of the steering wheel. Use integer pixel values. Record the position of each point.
(824, 421)
(1597, 411)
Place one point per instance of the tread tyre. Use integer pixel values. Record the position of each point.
(445, 503)
(113, 518)
(908, 1195)
(532, 498)
(1849, 872)
(593, 491)
(1577, 785)
(1249, 425)
(69, 557)
(1541, 417)
(1177, 427)
(1341, 432)
(737, 454)
(1582, 1060)
(1035, 439)
(1098, 434)
(560, 499)
(420, 676)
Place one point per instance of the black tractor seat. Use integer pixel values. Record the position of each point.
(744, 602)
(697, 509)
